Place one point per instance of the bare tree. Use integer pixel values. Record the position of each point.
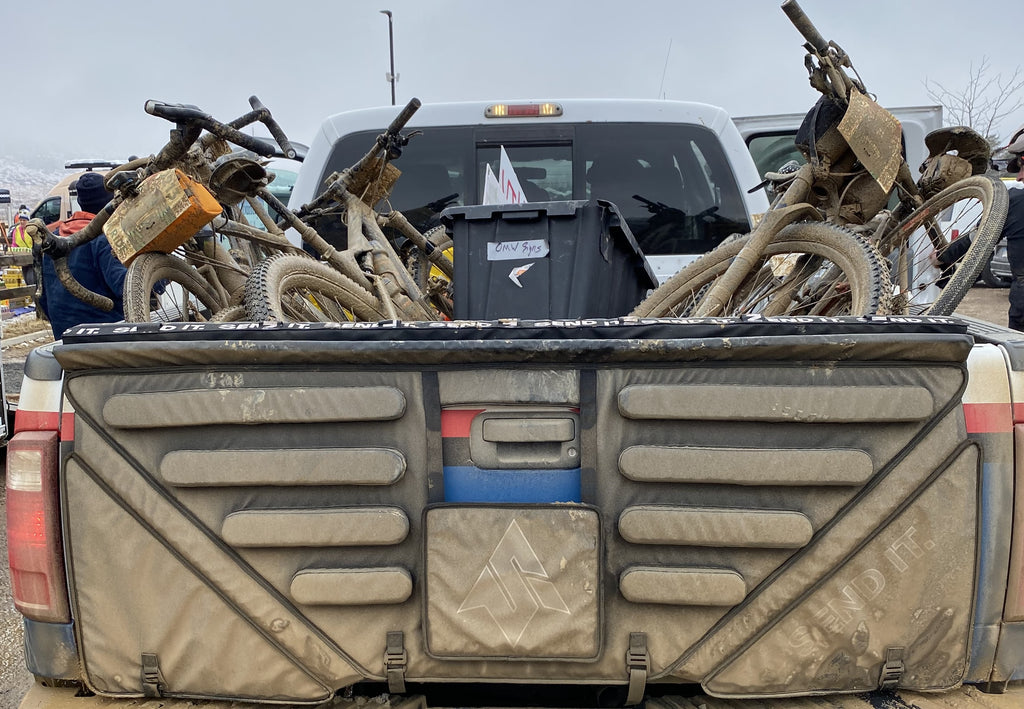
(984, 102)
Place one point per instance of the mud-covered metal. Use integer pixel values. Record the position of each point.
(875, 137)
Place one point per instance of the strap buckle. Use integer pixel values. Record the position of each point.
(395, 661)
(638, 666)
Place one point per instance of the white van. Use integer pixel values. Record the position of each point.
(678, 172)
(62, 201)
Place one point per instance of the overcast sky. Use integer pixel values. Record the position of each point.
(78, 73)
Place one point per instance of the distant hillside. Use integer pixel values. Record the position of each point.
(29, 179)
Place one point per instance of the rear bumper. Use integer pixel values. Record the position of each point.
(40, 697)
(968, 697)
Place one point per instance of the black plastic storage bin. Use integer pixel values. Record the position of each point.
(545, 260)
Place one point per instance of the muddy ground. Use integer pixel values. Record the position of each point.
(986, 304)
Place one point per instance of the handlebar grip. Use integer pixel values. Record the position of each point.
(175, 111)
(404, 116)
(804, 25)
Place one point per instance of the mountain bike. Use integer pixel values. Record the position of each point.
(197, 278)
(231, 270)
(368, 279)
(822, 248)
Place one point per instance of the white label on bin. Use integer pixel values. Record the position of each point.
(510, 250)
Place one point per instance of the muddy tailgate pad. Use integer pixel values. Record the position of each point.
(766, 508)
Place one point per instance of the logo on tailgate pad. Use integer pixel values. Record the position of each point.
(513, 586)
(508, 581)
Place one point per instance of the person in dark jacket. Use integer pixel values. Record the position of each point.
(93, 265)
(1013, 232)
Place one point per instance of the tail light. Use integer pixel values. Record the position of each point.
(523, 110)
(33, 527)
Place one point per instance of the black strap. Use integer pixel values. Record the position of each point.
(588, 436)
(432, 419)
(395, 660)
(152, 680)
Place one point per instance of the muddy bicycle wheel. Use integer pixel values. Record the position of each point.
(974, 208)
(164, 288)
(811, 268)
(289, 288)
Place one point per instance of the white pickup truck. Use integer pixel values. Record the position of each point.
(571, 512)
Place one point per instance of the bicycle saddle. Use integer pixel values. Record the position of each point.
(966, 142)
(236, 177)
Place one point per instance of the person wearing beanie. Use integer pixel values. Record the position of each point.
(93, 265)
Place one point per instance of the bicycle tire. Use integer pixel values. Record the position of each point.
(976, 205)
(232, 313)
(291, 288)
(178, 290)
(859, 284)
(423, 271)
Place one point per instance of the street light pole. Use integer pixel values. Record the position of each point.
(391, 48)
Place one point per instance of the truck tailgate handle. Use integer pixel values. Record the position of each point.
(529, 430)
(525, 439)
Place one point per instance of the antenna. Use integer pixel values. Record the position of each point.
(661, 89)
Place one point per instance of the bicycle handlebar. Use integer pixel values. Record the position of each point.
(804, 25)
(274, 128)
(389, 137)
(385, 141)
(174, 111)
(402, 118)
(194, 117)
(58, 248)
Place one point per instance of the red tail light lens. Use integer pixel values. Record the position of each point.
(33, 527)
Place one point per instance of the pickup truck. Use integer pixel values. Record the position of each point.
(567, 511)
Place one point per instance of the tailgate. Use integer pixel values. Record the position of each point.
(765, 508)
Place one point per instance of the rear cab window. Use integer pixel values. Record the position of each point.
(672, 182)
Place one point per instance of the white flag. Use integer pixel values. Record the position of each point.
(492, 190)
(511, 190)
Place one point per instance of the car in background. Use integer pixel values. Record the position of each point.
(997, 273)
(62, 201)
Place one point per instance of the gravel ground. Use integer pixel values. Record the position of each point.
(984, 303)
(14, 678)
